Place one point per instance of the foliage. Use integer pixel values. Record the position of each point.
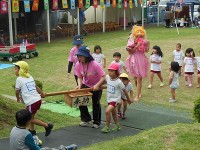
(196, 109)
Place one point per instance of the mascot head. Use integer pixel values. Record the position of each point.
(138, 31)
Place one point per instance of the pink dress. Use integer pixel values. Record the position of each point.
(137, 63)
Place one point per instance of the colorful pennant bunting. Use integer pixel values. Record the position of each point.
(125, 4)
(102, 4)
(131, 3)
(15, 6)
(119, 3)
(87, 4)
(55, 5)
(35, 5)
(3, 7)
(80, 3)
(107, 3)
(136, 4)
(95, 4)
(46, 4)
(114, 3)
(27, 6)
(72, 4)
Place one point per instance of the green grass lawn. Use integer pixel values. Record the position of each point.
(171, 137)
(51, 69)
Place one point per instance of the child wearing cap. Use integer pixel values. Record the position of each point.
(78, 41)
(89, 73)
(129, 88)
(20, 137)
(114, 87)
(30, 94)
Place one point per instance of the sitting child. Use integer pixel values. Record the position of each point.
(20, 137)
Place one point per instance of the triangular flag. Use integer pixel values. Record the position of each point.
(136, 4)
(3, 7)
(114, 3)
(35, 5)
(27, 6)
(119, 3)
(72, 4)
(46, 4)
(87, 4)
(107, 3)
(125, 4)
(95, 4)
(15, 6)
(131, 3)
(80, 3)
(102, 4)
(55, 5)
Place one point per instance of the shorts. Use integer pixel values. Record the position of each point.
(114, 104)
(198, 72)
(155, 71)
(189, 73)
(173, 87)
(33, 108)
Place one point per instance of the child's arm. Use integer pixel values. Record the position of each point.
(171, 76)
(125, 69)
(131, 94)
(148, 46)
(17, 93)
(100, 83)
(127, 96)
(29, 142)
(104, 62)
(42, 94)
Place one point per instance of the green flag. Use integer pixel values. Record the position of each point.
(46, 4)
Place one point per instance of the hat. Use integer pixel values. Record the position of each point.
(124, 75)
(84, 51)
(78, 40)
(114, 66)
(24, 68)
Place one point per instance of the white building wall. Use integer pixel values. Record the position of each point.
(111, 14)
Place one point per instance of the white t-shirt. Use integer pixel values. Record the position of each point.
(128, 88)
(154, 66)
(121, 65)
(178, 56)
(27, 89)
(114, 88)
(198, 63)
(98, 57)
(175, 82)
(189, 64)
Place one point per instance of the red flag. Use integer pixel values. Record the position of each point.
(3, 7)
(80, 3)
(125, 4)
(55, 5)
(35, 5)
(95, 4)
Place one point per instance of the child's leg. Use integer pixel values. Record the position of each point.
(124, 106)
(135, 80)
(173, 94)
(37, 122)
(119, 106)
(190, 79)
(186, 79)
(114, 115)
(160, 76)
(180, 68)
(139, 87)
(109, 109)
(198, 80)
(151, 78)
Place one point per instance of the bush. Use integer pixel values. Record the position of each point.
(196, 110)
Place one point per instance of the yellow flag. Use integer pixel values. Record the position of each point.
(15, 5)
(64, 3)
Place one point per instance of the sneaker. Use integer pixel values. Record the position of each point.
(150, 86)
(48, 129)
(106, 129)
(197, 86)
(32, 132)
(83, 124)
(96, 126)
(170, 98)
(190, 85)
(37, 140)
(119, 114)
(123, 116)
(162, 84)
(116, 128)
(172, 101)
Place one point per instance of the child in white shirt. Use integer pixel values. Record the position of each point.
(188, 66)
(173, 80)
(178, 56)
(129, 89)
(198, 71)
(156, 59)
(114, 87)
(117, 57)
(98, 56)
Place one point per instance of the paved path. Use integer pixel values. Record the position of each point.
(137, 120)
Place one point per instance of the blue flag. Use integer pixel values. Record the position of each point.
(26, 5)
